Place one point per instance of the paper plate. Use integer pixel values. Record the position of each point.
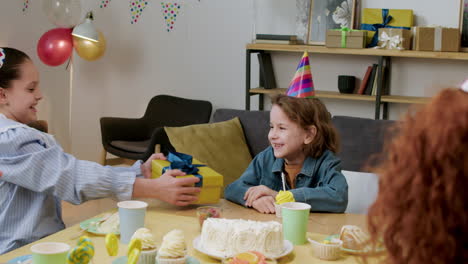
(123, 260)
(88, 226)
(26, 259)
(287, 248)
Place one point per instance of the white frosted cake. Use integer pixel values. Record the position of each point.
(228, 237)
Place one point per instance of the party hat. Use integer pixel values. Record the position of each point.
(302, 85)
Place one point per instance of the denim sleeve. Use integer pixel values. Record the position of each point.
(331, 192)
(235, 191)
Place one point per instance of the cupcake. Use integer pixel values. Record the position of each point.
(327, 249)
(173, 249)
(148, 246)
(281, 198)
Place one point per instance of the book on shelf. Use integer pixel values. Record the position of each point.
(370, 83)
(267, 76)
(275, 41)
(364, 81)
(276, 37)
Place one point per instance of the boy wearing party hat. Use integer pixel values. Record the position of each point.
(301, 157)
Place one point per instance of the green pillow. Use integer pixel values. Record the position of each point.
(221, 146)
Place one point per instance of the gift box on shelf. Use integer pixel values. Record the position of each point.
(210, 182)
(394, 38)
(436, 39)
(375, 18)
(345, 38)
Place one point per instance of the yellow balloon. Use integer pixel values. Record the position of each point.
(90, 50)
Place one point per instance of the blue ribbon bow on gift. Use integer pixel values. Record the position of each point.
(183, 162)
(386, 18)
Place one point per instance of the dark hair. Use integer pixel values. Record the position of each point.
(421, 208)
(9, 71)
(307, 112)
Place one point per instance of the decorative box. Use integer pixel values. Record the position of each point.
(339, 38)
(375, 18)
(211, 182)
(436, 39)
(394, 38)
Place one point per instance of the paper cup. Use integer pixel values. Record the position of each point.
(50, 253)
(278, 210)
(132, 216)
(295, 218)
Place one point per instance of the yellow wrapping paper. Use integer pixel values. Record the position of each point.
(371, 16)
(212, 181)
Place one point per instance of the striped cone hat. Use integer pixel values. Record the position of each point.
(302, 85)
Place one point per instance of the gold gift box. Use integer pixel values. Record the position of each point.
(355, 39)
(436, 39)
(400, 18)
(405, 37)
(212, 181)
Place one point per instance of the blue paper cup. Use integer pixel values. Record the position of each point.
(132, 216)
(295, 219)
(50, 253)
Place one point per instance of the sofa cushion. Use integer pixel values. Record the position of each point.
(220, 145)
(362, 141)
(255, 124)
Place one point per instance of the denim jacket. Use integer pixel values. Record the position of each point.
(320, 182)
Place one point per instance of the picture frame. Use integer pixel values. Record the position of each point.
(463, 25)
(329, 14)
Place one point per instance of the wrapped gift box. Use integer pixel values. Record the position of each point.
(354, 39)
(375, 18)
(212, 182)
(394, 38)
(436, 39)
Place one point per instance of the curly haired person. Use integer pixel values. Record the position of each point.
(421, 209)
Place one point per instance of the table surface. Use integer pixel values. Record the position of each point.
(162, 218)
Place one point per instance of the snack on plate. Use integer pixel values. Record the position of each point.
(281, 198)
(110, 225)
(353, 237)
(173, 249)
(249, 257)
(148, 246)
(228, 237)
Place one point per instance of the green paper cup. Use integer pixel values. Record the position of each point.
(295, 218)
(50, 253)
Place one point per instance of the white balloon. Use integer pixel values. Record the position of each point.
(62, 13)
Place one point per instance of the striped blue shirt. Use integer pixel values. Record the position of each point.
(38, 174)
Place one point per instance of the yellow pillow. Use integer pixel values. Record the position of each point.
(221, 146)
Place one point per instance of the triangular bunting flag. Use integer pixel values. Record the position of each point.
(302, 85)
(104, 3)
(136, 8)
(25, 5)
(170, 12)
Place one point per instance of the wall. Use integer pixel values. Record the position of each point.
(22, 31)
(202, 58)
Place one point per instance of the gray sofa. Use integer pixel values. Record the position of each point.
(361, 139)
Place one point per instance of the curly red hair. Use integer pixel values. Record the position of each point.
(421, 211)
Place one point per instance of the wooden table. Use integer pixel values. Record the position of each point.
(162, 218)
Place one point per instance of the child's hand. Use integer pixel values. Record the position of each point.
(253, 193)
(265, 205)
(146, 167)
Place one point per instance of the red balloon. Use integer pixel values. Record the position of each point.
(55, 46)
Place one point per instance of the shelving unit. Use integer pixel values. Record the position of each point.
(384, 59)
